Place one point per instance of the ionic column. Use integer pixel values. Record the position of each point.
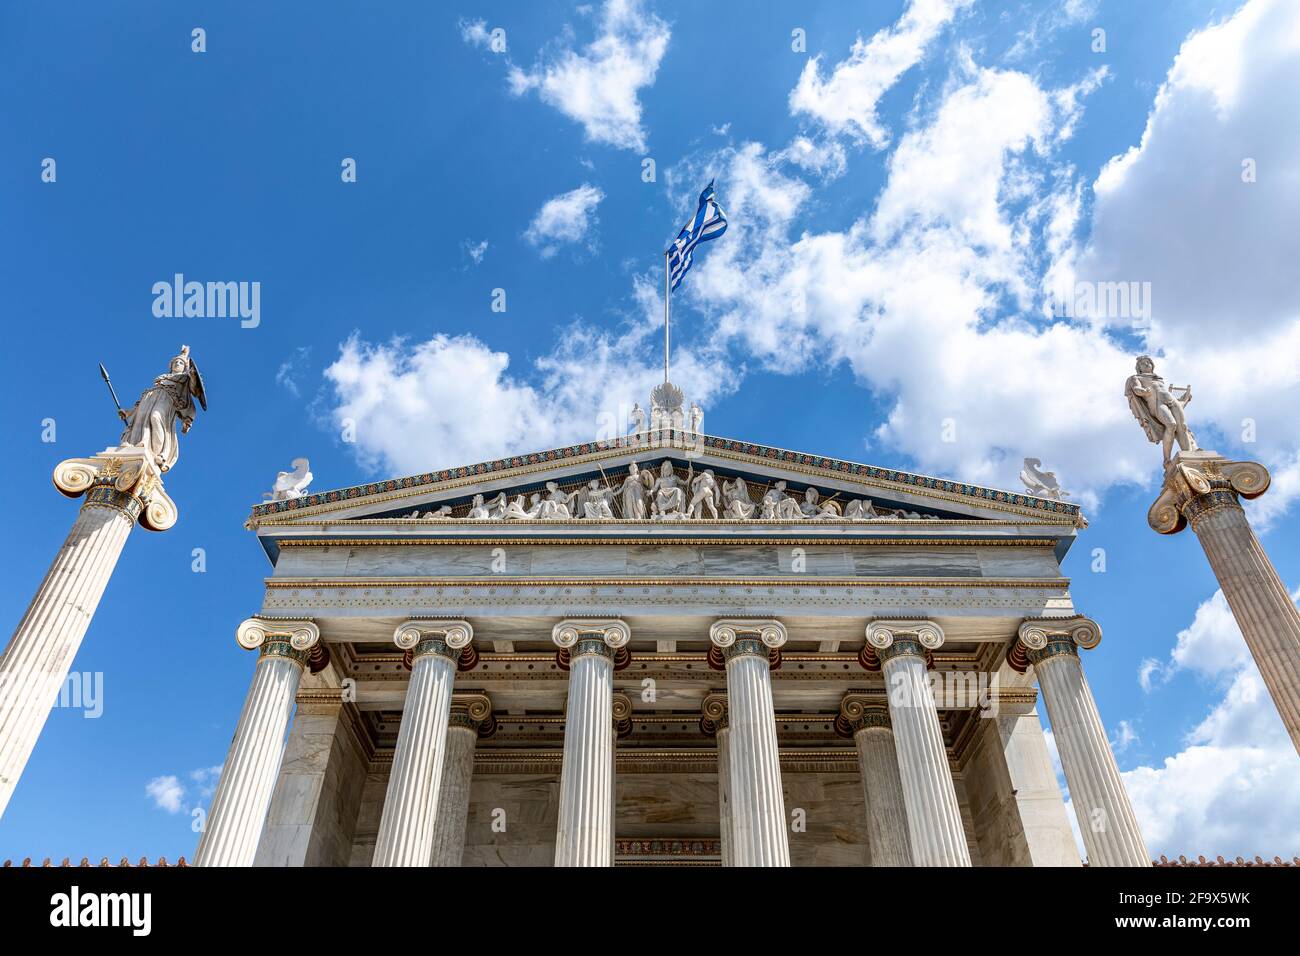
(468, 712)
(585, 834)
(243, 795)
(1204, 488)
(411, 802)
(714, 721)
(868, 719)
(758, 834)
(1101, 805)
(934, 826)
(121, 486)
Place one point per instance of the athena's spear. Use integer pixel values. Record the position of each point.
(104, 374)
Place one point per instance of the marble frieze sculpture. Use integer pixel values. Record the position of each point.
(119, 487)
(1204, 489)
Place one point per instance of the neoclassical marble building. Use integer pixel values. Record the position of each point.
(667, 649)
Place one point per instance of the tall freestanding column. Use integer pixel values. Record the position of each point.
(868, 719)
(243, 796)
(934, 823)
(714, 721)
(121, 486)
(585, 835)
(1101, 805)
(758, 834)
(468, 712)
(1204, 489)
(406, 827)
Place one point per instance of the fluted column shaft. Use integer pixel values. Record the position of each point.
(883, 789)
(453, 802)
(238, 811)
(723, 739)
(758, 825)
(405, 835)
(934, 824)
(1261, 604)
(1101, 805)
(585, 836)
(40, 653)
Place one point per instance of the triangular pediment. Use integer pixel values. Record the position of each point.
(776, 482)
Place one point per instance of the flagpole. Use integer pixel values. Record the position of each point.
(667, 312)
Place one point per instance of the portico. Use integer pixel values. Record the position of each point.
(769, 690)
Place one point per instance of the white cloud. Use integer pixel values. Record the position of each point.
(1232, 789)
(845, 101)
(567, 218)
(475, 32)
(826, 157)
(1125, 737)
(475, 250)
(205, 780)
(910, 296)
(599, 86)
(948, 277)
(1220, 253)
(286, 376)
(167, 793)
(453, 400)
(1149, 671)
(170, 794)
(953, 171)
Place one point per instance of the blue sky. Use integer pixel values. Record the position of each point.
(901, 212)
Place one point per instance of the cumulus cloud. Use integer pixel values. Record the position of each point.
(452, 400)
(1174, 210)
(167, 792)
(475, 32)
(567, 218)
(845, 100)
(824, 157)
(935, 287)
(953, 272)
(1231, 789)
(599, 86)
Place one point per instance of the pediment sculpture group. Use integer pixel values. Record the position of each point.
(645, 496)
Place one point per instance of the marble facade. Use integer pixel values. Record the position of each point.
(805, 688)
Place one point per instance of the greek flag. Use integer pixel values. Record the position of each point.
(707, 223)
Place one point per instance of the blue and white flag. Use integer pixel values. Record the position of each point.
(707, 223)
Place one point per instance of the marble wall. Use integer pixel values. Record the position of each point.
(647, 805)
(651, 560)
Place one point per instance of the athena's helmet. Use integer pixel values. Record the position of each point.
(183, 359)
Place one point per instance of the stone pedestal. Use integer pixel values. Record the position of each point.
(467, 714)
(882, 787)
(758, 823)
(121, 486)
(1203, 488)
(1101, 805)
(934, 821)
(238, 811)
(585, 832)
(411, 801)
